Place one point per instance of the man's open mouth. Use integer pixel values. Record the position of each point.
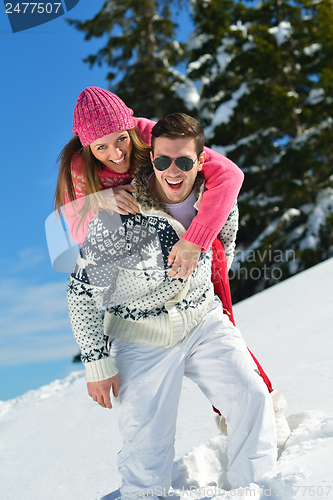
(175, 184)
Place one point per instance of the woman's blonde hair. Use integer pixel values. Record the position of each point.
(91, 166)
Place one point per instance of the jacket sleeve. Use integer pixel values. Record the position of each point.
(228, 234)
(88, 328)
(223, 180)
(77, 229)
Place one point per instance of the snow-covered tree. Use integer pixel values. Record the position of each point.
(141, 52)
(265, 79)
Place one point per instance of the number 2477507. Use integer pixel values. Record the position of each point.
(32, 8)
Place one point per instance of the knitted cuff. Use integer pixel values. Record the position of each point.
(200, 235)
(100, 370)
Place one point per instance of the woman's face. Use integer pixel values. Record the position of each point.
(114, 151)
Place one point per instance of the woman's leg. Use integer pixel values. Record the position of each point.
(220, 280)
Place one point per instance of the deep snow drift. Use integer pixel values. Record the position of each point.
(56, 443)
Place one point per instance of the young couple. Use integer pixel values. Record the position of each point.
(163, 322)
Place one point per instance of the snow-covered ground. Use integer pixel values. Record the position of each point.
(57, 444)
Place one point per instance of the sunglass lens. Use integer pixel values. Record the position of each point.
(162, 163)
(184, 164)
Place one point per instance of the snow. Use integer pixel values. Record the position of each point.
(292, 93)
(240, 27)
(315, 96)
(308, 133)
(322, 209)
(311, 49)
(188, 92)
(199, 62)
(225, 111)
(223, 57)
(281, 32)
(57, 444)
(254, 169)
(248, 46)
(302, 138)
(195, 41)
(286, 216)
(262, 200)
(225, 150)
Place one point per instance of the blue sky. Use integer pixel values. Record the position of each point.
(42, 74)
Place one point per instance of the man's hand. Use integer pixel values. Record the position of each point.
(184, 258)
(121, 200)
(100, 391)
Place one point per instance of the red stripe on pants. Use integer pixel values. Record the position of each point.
(220, 280)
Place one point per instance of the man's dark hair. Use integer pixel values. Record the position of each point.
(179, 125)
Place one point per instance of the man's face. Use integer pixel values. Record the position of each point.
(174, 185)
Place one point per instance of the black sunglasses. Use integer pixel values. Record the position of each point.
(185, 164)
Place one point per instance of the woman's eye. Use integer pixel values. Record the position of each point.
(121, 139)
(100, 148)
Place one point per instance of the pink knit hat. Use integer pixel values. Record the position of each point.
(97, 113)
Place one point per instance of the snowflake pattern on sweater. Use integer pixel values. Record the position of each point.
(122, 268)
(86, 321)
(125, 259)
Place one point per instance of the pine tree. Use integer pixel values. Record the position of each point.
(266, 84)
(142, 53)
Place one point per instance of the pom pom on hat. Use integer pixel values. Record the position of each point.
(97, 113)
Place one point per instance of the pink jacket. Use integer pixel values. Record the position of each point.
(223, 180)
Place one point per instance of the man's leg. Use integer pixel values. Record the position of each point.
(218, 361)
(150, 381)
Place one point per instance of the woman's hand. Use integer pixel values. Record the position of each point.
(184, 258)
(121, 200)
(100, 391)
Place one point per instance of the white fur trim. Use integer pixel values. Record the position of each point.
(279, 401)
(221, 424)
(282, 429)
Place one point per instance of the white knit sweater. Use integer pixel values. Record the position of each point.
(122, 270)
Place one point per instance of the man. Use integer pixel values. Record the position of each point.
(164, 328)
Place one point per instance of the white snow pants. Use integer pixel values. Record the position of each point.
(215, 357)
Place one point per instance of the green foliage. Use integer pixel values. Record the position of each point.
(266, 98)
(265, 77)
(141, 52)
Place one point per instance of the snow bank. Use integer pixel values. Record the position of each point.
(57, 444)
